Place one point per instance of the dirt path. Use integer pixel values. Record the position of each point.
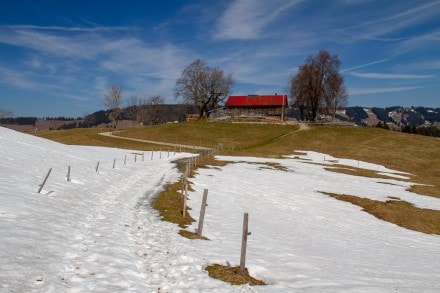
(194, 147)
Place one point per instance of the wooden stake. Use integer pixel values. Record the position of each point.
(185, 194)
(202, 213)
(97, 167)
(68, 173)
(125, 159)
(44, 181)
(242, 270)
(152, 152)
(114, 162)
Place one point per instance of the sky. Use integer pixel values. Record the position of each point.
(59, 58)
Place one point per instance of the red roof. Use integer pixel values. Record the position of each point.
(257, 101)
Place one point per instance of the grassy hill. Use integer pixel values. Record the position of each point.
(418, 155)
(414, 154)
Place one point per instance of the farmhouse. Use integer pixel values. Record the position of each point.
(257, 106)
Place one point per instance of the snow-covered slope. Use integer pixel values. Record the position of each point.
(98, 232)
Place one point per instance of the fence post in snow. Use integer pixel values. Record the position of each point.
(97, 167)
(44, 181)
(68, 173)
(202, 213)
(152, 152)
(242, 269)
(125, 159)
(114, 162)
(185, 194)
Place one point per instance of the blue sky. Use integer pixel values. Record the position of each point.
(58, 58)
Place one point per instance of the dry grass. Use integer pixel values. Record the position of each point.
(415, 154)
(360, 172)
(398, 212)
(169, 203)
(231, 275)
(231, 136)
(91, 137)
(191, 235)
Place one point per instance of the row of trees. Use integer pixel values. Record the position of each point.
(317, 87)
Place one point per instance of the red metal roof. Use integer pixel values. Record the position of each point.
(257, 101)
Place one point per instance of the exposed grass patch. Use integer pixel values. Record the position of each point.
(191, 235)
(274, 166)
(361, 172)
(415, 154)
(231, 275)
(169, 203)
(398, 212)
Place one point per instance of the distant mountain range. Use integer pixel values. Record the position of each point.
(393, 116)
(420, 120)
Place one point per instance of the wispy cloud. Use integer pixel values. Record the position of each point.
(58, 51)
(365, 65)
(363, 91)
(25, 80)
(428, 40)
(246, 19)
(388, 76)
(383, 24)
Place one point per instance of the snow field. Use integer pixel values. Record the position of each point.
(99, 232)
(303, 240)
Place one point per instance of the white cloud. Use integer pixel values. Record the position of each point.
(246, 19)
(363, 91)
(389, 76)
(383, 23)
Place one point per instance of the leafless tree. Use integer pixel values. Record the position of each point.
(132, 108)
(156, 109)
(203, 86)
(113, 100)
(318, 84)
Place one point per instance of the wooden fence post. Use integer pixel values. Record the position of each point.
(68, 173)
(152, 153)
(242, 270)
(185, 194)
(97, 167)
(202, 213)
(114, 162)
(125, 159)
(44, 181)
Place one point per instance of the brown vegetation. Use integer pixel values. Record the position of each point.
(398, 212)
(232, 275)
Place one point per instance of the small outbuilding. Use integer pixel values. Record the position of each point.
(257, 106)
